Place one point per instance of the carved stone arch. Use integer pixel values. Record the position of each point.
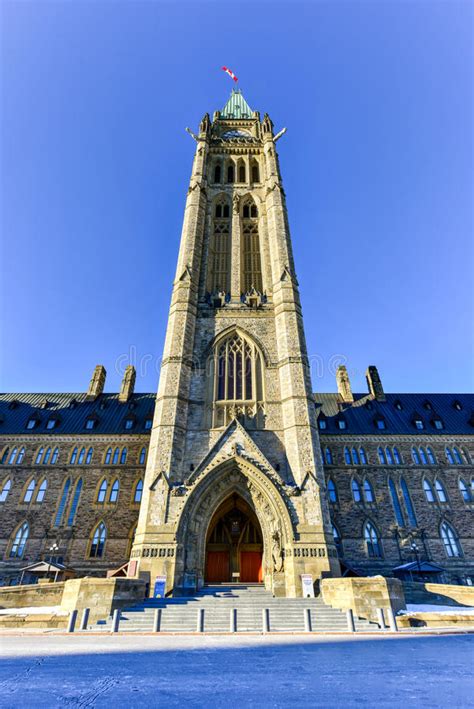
(243, 333)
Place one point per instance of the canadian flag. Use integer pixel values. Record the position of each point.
(231, 73)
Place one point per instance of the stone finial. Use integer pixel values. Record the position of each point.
(374, 383)
(128, 384)
(97, 383)
(343, 384)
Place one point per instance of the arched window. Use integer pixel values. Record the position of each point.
(39, 456)
(5, 490)
(47, 456)
(19, 541)
(431, 456)
(463, 489)
(241, 172)
(368, 492)
(347, 456)
(397, 456)
(230, 173)
(137, 495)
(355, 490)
(355, 457)
(372, 541)
(219, 249)
(450, 540)
(73, 457)
(29, 491)
(108, 456)
(396, 503)
(408, 503)
(102, 491)
(115, 459)
(13, 456)
(74, 503)
(251, 266)
(255, 173)
(363, 456)
(55, 457)
(114, 491)
(457, 456)
(82, 455)
(328, 456)
(62, 503)
(89, 456)
(440, 491)
(123, 456)
(42, 491)
(142, 458)
(382, 458)
(5, 456)
(237, 381)
(423, 457)
(467, 457)
(337, 541)
(332, 491)
(428, 491)
(449, 456)
(389, 456)
(415, 456)
(217, 173)
(98, 541)
(20, 456)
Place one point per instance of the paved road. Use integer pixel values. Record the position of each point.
(236, 672)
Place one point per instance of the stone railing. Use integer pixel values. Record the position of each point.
(363, 595)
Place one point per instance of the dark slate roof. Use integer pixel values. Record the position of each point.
(361, 416)
(73, 410)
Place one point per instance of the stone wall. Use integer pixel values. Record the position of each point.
(439, 593)
(45, 594)
(363, 595)
(102, 596)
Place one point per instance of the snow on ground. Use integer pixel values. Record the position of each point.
(33, 610)
(426, 608)
(237, 672)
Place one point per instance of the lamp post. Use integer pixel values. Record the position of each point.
(415, 550)
(53, 548)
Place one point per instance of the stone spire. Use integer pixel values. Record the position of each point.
(344, 385)
(97, 383)
(375, 383)
(128, 384)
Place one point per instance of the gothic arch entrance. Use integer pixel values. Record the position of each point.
(234, 544)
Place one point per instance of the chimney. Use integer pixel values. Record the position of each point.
(374, 383)
(97, 383)
(128, 384)
(344, 385)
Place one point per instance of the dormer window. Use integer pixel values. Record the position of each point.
(31, 423)
(129, 423)
(323, 424)
(418, 423)
(438, 424)
(52, 423)
(91, 423)
(380, 423)
(341, 424)
(148, 424)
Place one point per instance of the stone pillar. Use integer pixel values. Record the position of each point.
(375, 383)
(344, 385)
(97, 383)
(128, 384)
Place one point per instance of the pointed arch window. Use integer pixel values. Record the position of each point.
(347, 456)
(397, 457)
(19, 541)
(440, 491)
(251, 266)
(337, 541)
(368, 491)
(457, 456)
(5, 490)
(55, 456)
(47, 456)
(423, 457)
(115, 459)
(217, 174)
(27, 497)
(255, 172)
(137, 495)
(101, 495)
(408, 503)
(98, 541)
(74, 503)
(467, 457)
(108, 456)
(396, 503)
(123, 456)
(382, 458)
(355, 457)
(82, 455)
(219, 251)
(415, 456)
(389, 456)
(62, 503)
(142, 458)
(328, 456)
(114, 492)
(89, 456)
(450, 540)
(363, 456)
(356, 494)
(431, 456)
(42, 491)
(463, 489)
(230, 173)
(73, 457)
(5, 456)
(39, 456)
(429, 494)
(332, 490)
(13, 456)
(241, 172)
(449, 455)
(372, 541)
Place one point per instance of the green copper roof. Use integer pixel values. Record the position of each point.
(236, 106)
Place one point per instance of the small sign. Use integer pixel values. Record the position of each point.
(160, 585)
(308, 587)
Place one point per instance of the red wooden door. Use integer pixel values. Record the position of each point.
(251, 566)
(217, 566)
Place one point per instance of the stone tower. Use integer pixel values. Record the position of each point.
(234, 487)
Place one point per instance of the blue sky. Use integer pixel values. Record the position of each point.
(377, 167)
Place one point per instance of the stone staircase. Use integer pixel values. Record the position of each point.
(244, 605)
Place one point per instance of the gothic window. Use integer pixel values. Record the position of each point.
(347, 456)
(102, 491)
(39, 456)
(251, 261)
(74, 504)
(114, 491)
(363, 456)
(142, 458)
(389, 455)
(449, 455)
(62, 503)
(230, 173)
(423, 457)
(108, 456)
(337, 540)
(89, 456)
(47, 456)
(381, 454)
(73, 457)
(13, 456)
(237, 380)
(450, 540)
(98, 541)
(431, 456)
(115, 459)
(457, 456)
(19, 541)
(255, 172)
(5, 490)
(464, 490)
(123, 456)
(328, 456)
(82, 455)
(55, 457)
(408, 503)
(467, 457)
(5, 456)
(368, 491)
(396, 503)
(356, 491)
(332, 491)
(428, 491)
(137, 495)
(219, 252)
(29, 491)
(355, 457)
(415, 456)
(241, 171)
(397, 456)
(372, 541)
(217, 174)
(42, 491)
(440, 491)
